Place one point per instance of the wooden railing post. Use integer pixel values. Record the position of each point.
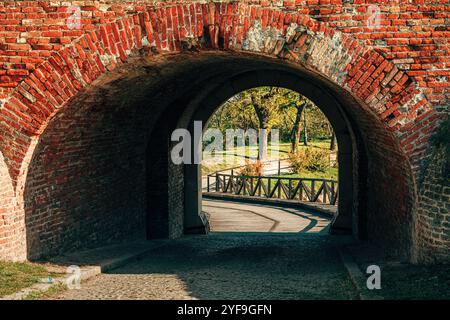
(260, 182)
(232, 181)
(290, 189)
(300, 190)
(279, 188)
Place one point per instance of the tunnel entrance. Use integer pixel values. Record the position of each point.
(101, 171)
(269, 165)
(346, 136)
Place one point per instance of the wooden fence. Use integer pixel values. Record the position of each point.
(301, 189)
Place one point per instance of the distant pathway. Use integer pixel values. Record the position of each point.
(227, 216)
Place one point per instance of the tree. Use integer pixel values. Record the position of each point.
(296, 128)
(264, 108)
(333, 141)
(305, 130)
(260, 100)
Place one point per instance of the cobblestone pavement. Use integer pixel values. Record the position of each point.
(229, 266)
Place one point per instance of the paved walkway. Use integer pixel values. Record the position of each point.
(234, 265)
(226, 216)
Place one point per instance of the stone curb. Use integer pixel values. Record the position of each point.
(87, 272)
(357, 276)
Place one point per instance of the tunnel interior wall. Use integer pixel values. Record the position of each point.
(100, 171)
(84, 186)
(433, 217)
(390, 198)
(384, 187)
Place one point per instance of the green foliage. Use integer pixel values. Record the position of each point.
(310, 159)
(318, 125)
(279, 105)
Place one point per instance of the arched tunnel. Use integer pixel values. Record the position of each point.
(101, 170)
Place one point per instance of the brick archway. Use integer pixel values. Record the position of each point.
(89, 55)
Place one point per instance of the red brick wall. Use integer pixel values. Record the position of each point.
(399, 70)
(12, 237)
(413, 34)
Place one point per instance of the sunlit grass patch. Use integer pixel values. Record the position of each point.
(15, 276)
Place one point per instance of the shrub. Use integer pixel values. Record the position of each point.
(297, 161)
(251, 168)
(317, 159)
(309, 159)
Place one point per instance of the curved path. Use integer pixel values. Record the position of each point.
(228, 216)
(266, 263)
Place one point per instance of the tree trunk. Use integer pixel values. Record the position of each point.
(296, 130)
(262, 154)
(333, 142)
(263, 117)
(305, 130)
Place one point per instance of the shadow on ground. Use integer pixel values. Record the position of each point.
(242, 266)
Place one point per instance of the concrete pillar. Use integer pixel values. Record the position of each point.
(342, 223)
(193, 224)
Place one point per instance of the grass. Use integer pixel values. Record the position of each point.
(51, 292)
(15, 276)
(330, 173)
(237, 156)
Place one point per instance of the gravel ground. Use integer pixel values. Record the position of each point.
(229, 266)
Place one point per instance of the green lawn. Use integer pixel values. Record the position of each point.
(237, 157)
(330, 173)
(15, 276)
